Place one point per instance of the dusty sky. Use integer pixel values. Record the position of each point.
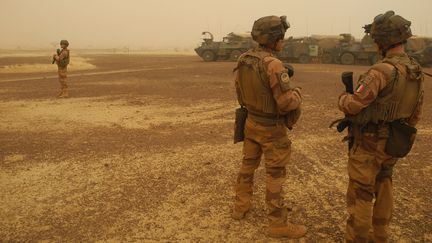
(179, 23)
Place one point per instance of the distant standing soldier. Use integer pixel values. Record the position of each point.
(384, 109)
(62, 58)
(263, 87)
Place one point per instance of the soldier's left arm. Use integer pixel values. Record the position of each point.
(369, 85)
(287, 98)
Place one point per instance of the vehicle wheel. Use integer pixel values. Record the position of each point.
(304, 58)
(347, 58)
(327, 58)
(374, 59)
(234, 56)
(208, 56)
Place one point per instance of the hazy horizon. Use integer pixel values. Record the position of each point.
(166, 24)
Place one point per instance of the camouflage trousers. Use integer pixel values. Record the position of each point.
(62, 75)
(369, 195)
(273, 142)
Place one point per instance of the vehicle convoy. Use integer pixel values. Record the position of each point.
(343, 49)
(230, 48)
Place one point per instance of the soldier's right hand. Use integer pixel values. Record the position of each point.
(298, 91)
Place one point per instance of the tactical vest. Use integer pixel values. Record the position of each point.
(64, 62)
(399, 98)
(255, 91)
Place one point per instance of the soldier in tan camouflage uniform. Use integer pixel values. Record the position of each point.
(391, 92)
(62, 60)
(264, 88)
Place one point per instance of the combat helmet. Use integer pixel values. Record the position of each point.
(389, 29)
(269, 29)
(64, 42)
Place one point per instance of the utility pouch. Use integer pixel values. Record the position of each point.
(401, 139)
(239, 125)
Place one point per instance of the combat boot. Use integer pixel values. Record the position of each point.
(289, 230)
(60, 94)
(64, 94)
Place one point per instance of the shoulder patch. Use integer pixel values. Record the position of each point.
(284, 81)
(360, 88)
(363, 83)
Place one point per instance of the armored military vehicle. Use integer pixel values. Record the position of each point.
(301, 49)
(424, 56)
(230, 48)
(328, 47)
(349, 51)
(417, 43)
(363, 51)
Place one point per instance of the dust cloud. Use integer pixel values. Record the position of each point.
(169, 24)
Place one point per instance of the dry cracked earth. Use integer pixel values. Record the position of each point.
(142, 151)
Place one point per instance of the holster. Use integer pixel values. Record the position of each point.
(401, 139)
(239, 124)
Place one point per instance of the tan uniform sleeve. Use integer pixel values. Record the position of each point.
(370, 84)
(286, 100)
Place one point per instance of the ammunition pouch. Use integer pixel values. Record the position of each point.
(240, 119)
(401, 138)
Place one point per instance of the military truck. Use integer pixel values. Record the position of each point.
(301, 49)
(230, 48)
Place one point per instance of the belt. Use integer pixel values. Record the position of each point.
(266, 120)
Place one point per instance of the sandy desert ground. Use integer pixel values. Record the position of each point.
(142, 151)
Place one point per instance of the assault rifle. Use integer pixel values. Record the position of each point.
(347, 80)
(290, 69)
(58, 53)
